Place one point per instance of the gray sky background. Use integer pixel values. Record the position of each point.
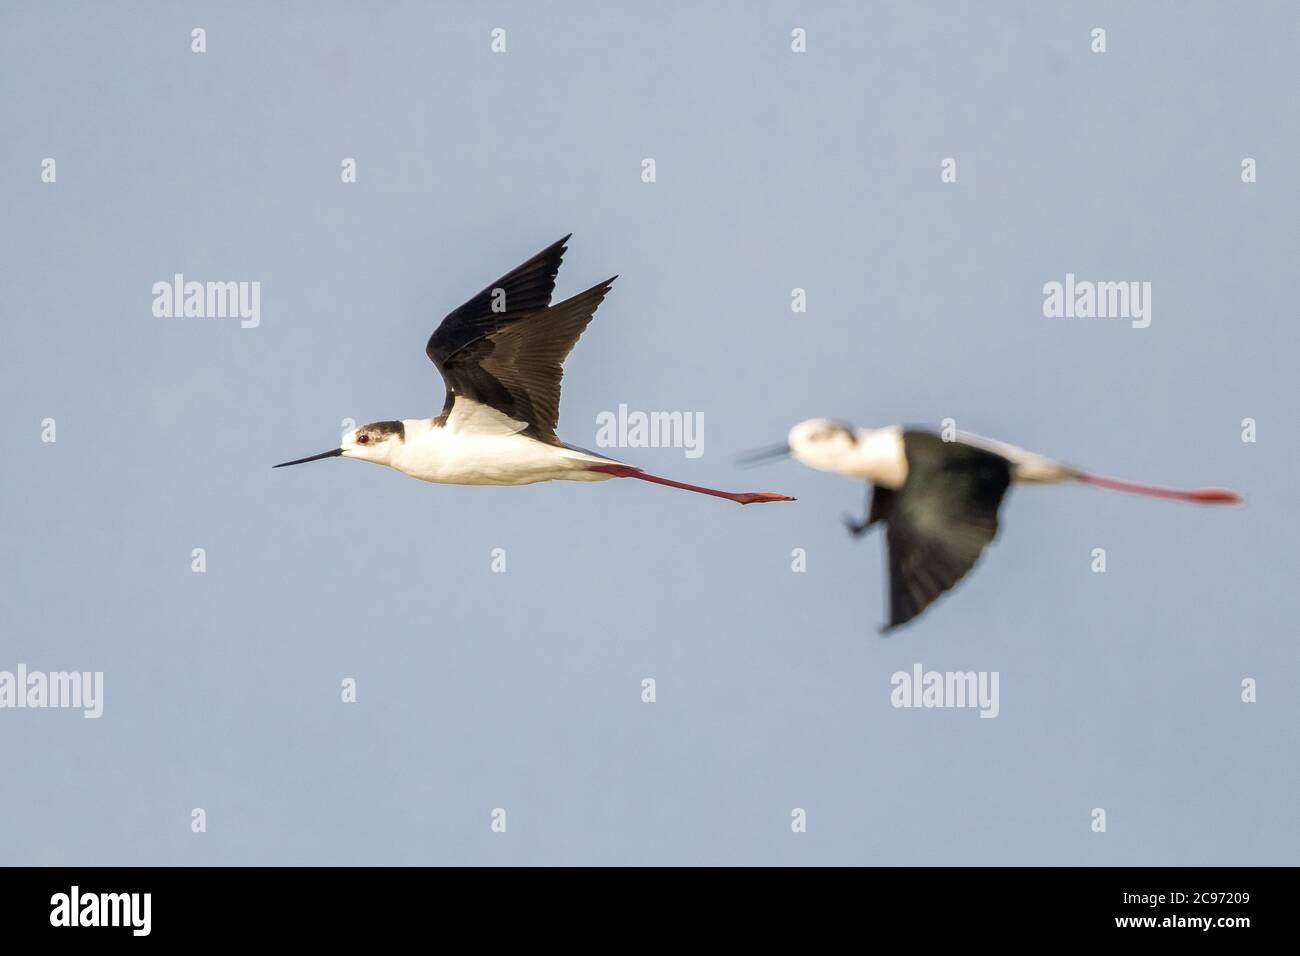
(522, 690)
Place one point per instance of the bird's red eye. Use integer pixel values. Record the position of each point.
(363, 439)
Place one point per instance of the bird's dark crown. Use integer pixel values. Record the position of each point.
(830, 428)
(378, 431)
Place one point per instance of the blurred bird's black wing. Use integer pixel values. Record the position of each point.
(500, 354)
(940, 520)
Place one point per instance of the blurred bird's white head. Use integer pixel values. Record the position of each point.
(818, 443)
(821, 443)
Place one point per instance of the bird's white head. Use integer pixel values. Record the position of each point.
(376, 442)
(821, 443)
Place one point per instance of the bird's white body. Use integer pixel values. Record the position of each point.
(1027, 467)
(447, 455)
(877, 454)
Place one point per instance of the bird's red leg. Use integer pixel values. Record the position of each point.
(743, 497)
(1205, 496)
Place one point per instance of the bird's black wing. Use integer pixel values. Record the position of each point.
(503, 348)
(516, 370)
(520, 292)
(940, 520)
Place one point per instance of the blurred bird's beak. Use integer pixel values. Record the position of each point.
(325, 454)
(765, 454)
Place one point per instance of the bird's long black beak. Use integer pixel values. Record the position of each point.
(325, 454)
(765, 454)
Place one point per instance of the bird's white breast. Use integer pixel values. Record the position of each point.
(439, 454)
(878, 457)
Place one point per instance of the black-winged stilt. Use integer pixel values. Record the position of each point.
(938, 498)
(500, 355)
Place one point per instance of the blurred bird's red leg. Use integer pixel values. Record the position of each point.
(1204, 496)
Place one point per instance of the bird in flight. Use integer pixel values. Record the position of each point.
(500, 356)
(937, 498)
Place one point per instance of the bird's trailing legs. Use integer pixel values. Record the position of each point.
(858, 528)
(742, 497)
(1202, 496)
(879, 502)
(879, 498)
